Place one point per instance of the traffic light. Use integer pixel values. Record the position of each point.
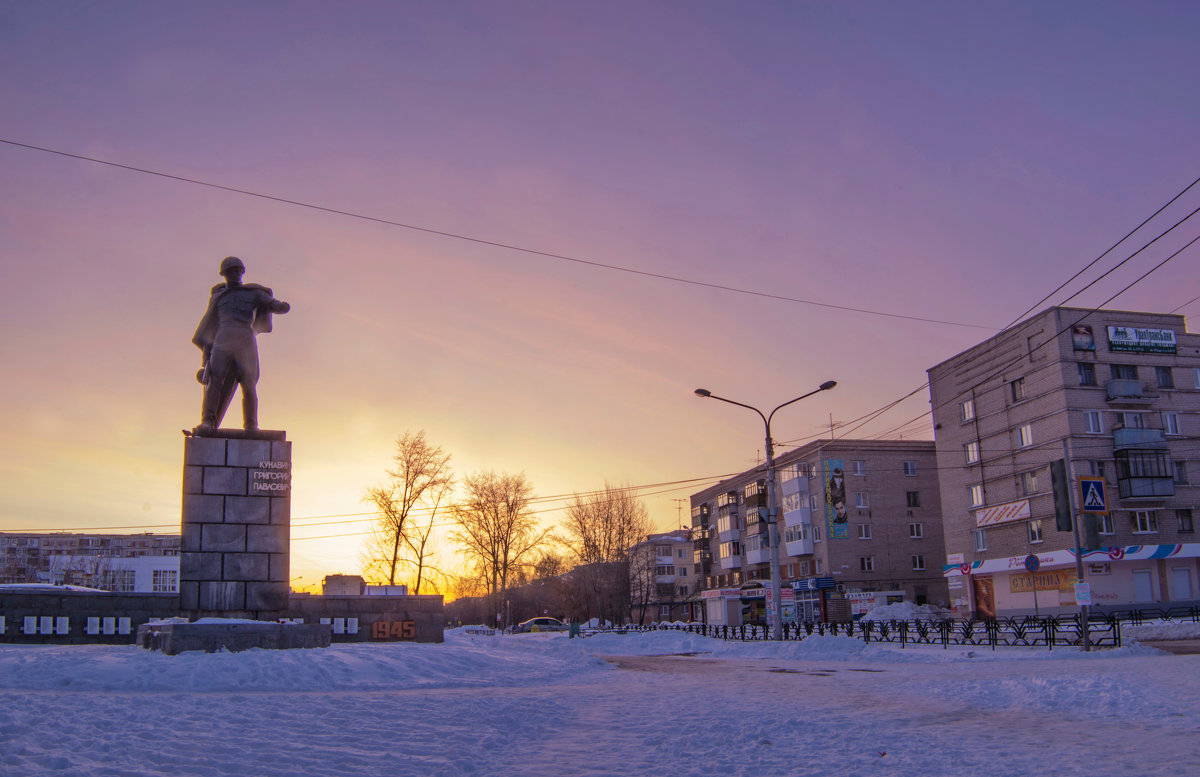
(1061, 485)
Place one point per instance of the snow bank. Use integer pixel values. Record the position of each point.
(907, 611)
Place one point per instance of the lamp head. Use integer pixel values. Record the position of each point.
(828, 385)
(703, 393)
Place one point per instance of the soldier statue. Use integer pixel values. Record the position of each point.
(236, 313)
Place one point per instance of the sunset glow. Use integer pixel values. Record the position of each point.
(923, 172)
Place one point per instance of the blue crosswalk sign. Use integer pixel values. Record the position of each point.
(1092, 498)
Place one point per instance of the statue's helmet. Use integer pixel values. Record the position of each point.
(230, 263)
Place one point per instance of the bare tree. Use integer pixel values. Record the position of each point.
(419, 480)
(495, 528)
(600, 528)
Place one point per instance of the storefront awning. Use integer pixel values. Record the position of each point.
(1063, 558)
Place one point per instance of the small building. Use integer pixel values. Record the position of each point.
(343, 585)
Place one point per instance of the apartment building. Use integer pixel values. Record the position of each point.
(860, 522)
(661, 578)
(1119, 394)
(125, 563)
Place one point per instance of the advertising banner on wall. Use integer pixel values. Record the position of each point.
(836, 520)
(1132, 338)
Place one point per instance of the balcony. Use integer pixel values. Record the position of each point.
(1145, 473)
(1130, 437)
(1129, 392)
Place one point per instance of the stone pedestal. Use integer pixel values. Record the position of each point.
(233, 636)
(233, 556)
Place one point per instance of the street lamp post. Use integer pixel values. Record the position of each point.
(772, 522)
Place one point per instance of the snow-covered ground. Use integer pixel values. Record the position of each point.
(636, 704)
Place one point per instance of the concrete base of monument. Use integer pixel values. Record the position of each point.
(215, 634)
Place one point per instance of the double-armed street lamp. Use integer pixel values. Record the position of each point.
(773, 537)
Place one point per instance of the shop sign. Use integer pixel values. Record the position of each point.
(1005, 513)
(1047, 580)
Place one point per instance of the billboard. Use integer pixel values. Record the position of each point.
(836, 520)
(1132, 338)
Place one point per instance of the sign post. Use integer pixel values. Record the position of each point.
(1032, 563)
(1084, 625)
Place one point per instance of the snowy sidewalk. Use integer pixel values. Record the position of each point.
(545, 705)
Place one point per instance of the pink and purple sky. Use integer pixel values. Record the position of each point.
(938, 160)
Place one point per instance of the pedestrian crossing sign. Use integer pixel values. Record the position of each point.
(1092, 498)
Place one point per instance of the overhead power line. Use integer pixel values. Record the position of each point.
(868, 417)
(492, 243)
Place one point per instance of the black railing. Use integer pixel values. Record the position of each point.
(1048, 631)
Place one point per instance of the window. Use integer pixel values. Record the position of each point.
(682, 571)
(1186, 525)
(913, 498)
(1092, 422)
(860, 500)
(1105, 524)
(910, 468)
(1133, 421)
(164, 581)
(916, 530)
(975, 495)
(1029, 484)
(980, 537)
(1017, 389)
(966, 410)
(1087, 374)
(683, 590)
(918, 562)
(664, 611)
(1196, 377)
(804, 568)
(860, 467)
(1170, 423)
(1024, 435)
(1145, 522)
(864, 531)
(1123, 371)
(1180, 472)
(117, 580)
(866, 563)
(1164, 377)
(818, 566)
(664, 570)
(816, 530)
(1035, 532)
(972, 451)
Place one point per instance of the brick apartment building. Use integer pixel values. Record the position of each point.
(661, 579)
(1123, 390)
(123, 563)
(860, 522)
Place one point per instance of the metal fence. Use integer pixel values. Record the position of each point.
(1048, 631)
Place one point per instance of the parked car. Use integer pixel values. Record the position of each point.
(539, 624)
